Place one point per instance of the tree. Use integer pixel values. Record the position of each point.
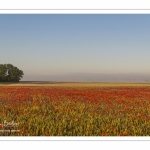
(10, 73)
(2, 72)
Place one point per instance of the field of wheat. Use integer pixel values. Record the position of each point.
(75, 110)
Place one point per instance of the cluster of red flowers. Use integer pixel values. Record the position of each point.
(97, 94)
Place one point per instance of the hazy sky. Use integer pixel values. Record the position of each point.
(77, 47)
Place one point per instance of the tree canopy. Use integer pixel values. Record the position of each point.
(10, 73)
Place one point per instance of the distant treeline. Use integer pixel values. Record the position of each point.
(10, 73)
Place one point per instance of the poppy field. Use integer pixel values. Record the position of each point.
(76, 110)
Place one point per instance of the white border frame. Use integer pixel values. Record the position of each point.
(13, 7)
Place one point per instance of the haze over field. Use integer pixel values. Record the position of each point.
(84, 48)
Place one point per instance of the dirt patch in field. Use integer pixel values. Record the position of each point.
(71, 84)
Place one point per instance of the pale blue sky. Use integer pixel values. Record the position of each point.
(73, 47)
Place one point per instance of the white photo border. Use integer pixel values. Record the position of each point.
(8, 7)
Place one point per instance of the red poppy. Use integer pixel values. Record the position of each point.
(1, 126)
(47, 134)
